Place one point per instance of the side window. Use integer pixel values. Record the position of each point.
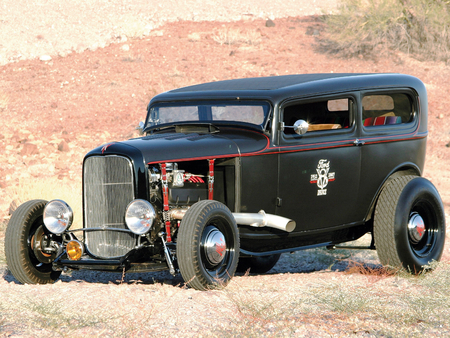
(320, 115)
(387, 109)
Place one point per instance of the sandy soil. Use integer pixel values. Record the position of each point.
(91, 92)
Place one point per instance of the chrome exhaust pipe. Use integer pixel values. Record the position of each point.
(261, 219)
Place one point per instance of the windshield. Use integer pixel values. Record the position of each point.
(250, 112)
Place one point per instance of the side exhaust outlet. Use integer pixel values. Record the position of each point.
(261, 219)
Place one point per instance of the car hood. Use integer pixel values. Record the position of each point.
(163, 147)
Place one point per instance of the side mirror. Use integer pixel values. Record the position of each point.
(140, 128)
(301, 127)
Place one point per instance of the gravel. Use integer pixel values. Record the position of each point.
(41, 29)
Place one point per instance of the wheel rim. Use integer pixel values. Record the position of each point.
(423, 230)
(40, 260)
(217, 248)
(214, 246)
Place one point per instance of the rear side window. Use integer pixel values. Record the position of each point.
(387, 109)
(321, 115)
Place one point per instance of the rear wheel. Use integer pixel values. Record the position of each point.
(25, 237)
(257, 264)
(409, 224)
(207, 245)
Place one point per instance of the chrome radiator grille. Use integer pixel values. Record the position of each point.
(108, 188)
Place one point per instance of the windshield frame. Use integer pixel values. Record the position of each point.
(265, 104)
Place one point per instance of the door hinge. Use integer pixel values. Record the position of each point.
(358, 143)
(279, 201)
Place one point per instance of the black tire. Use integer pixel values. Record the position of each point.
(257, 264)
(409, 224)
(204, 267)
(27, 264)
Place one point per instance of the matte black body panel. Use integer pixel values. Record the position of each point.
(229, 142)
(259, 183)
(309, 205)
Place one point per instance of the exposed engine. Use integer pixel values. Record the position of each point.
(184, 188)
(174, 189)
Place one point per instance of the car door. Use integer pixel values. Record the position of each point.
(319, 171)
(391, 137)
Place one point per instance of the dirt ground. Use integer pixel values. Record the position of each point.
(55, 111)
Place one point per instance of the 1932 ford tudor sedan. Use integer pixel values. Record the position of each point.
(229, 175)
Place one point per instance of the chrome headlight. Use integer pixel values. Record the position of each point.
(139, 216)
(58, 216)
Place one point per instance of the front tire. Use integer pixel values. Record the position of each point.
(207, 245)
(409, 224)
(25, 231)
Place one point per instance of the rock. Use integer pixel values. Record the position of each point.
(60, 165)
(448, 145)
(63, 146)
(270, 23)
(156, 33)
(94, 47)
(312, 31)
(125, 48)
(194, 37)
(29, 149)
(45, 58)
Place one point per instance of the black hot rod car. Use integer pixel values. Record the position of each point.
(231, 174)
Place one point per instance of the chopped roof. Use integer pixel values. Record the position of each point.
(278, 88)
(262, 83)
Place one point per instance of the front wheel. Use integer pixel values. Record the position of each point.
(409, 224)
(24, 239)
(207, 245)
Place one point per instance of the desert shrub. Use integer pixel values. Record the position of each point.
(372, 27)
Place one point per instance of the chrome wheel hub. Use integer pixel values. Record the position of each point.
(416, 227)
(214, 246)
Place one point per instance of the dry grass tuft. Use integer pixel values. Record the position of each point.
(48, 189)
(4, 101)
(236, 37)
(363, 269)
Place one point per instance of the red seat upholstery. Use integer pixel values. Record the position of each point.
(368, 122)
(379, 121)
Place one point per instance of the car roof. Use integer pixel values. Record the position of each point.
(278, 88)
(261, 83)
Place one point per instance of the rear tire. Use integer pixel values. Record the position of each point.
(257, 264)
(409, 224)
(26, 262)
(207, 245)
